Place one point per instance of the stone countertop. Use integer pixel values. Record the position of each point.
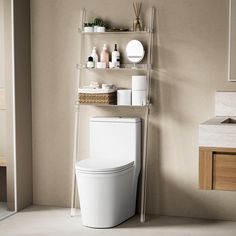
(217, 120)
(212, 133)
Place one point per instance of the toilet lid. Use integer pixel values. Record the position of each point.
(103, 165)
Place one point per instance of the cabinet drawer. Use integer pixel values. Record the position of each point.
(224, 171)
(217, 168)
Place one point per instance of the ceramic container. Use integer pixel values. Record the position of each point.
(88, 29)
(100, 29)
(124, 97)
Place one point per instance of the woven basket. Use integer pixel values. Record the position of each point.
(98, 98)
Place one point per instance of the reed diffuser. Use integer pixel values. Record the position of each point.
(137, 25)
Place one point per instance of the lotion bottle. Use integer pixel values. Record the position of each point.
(105, 55)
(115, 58)
(94, 55)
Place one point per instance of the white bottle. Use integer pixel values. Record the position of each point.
(115, 57)
(94, 55)
(90, 63)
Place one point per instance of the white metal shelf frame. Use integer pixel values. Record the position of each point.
(147, 108)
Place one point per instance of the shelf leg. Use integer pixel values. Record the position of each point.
(76, 126)
(75, 153)
(144, 168)
(145, 146)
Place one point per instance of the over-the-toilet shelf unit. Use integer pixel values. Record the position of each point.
(124, 67)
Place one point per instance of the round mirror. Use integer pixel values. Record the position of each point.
(135, 51)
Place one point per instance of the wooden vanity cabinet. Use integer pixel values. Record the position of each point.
(217, 168)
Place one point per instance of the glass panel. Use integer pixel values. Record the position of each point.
(115, 32)
(7, 170)
(123, 67)
(108, 105)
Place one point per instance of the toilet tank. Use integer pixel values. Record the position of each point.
(115, 137)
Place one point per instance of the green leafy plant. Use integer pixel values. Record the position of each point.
(98, 22)
(104, 24)
(88, 24)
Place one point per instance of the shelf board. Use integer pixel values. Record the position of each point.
(114, 32)
(123, 67)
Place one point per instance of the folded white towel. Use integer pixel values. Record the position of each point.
(96, 90)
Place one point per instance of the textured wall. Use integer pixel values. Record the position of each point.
(191, 64)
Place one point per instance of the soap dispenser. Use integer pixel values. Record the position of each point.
(115, 58)
(105, 55)
(94, 55)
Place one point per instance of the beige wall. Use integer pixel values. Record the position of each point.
(233, 39)
(191, 57)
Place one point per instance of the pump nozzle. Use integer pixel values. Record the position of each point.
(104, 47)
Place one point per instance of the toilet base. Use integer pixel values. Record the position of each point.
(108, 227)
(106, 200)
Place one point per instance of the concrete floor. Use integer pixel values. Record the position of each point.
(49, 221)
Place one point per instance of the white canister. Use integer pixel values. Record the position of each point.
(124, 97)
(100, 29)
(95, 27)
(139, 98)
(139, 82)
(88, 29)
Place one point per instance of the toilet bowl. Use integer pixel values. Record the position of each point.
(107, 180)
(105, 194)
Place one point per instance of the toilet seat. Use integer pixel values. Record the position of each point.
(103, 165)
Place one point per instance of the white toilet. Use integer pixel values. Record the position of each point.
(107, 180)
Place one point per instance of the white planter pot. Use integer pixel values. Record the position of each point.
(101, 29)
(95, 28)
(88, 29)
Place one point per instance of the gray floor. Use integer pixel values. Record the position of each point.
(57, 221)
(3, 210)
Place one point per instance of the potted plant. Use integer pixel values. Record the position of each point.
(99, 25)
(88, 27)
